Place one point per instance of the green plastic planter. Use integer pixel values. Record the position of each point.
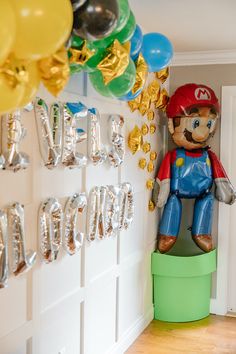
(182, 286)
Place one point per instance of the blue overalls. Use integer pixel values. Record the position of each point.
(191, 177)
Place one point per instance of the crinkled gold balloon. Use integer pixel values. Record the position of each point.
(163, 74)
(115, 63)
(55, 71)
(150, 114)
(145, 102)
(154, 90)
(135, 140)
(80, 56)
(151, 205)
(152, 128)
(146, 147)
(163, 100)
(134, 104)
(142, 163)
(141, 73)
(150, 166)
(153, 155)
(15, 71)
(144, 129)
(150, 184)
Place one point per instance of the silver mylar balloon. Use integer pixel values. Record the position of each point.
(70, 157)
(117, 140)
(12, 134)
(4, 269)
(112, 211)
(97, 152)
(22, 260)
(49, 132)
(127, 206)
(93, 213)
(50, 226)
(101, 212)
(73, 238)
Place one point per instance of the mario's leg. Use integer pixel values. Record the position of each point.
(169, 224)
(202, 222)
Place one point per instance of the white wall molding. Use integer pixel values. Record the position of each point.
(204, 57)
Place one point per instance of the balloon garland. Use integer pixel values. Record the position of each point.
(100, 37)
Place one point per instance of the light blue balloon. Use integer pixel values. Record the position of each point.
(157, 51)
(130, 96)
(136, 42)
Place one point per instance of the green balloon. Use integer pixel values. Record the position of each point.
(127, 32)
(124, 12)
(96, 80)
(117, 87)
(75, 68)
(91, 64)
(124, 83)
(76, 42)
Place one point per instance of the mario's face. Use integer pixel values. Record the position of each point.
(193, 130)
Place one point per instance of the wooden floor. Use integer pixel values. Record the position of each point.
(214, 334)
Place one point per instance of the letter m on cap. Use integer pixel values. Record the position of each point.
(201, 93)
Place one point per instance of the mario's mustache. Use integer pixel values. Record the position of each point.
(189, 137)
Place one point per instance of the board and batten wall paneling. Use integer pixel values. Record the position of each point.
(99, 300)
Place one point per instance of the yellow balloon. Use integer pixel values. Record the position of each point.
(7, 29)
(43, 26)
(31, 87)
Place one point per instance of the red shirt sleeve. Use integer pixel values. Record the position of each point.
(165, 168)
(217, 168)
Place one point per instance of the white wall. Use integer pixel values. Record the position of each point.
(99, 300)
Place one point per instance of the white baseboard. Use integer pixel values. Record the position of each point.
(132, 333)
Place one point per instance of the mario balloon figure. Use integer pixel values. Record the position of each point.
(190, 170)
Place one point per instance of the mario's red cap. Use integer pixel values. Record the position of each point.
(190, 95)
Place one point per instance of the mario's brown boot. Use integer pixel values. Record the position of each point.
(204, 242)
(165, 243)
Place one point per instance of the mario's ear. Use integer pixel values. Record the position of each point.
(171, 126)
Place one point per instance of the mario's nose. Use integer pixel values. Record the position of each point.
(200, 134)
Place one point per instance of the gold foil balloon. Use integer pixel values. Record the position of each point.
(43, 26)
(150, 184)
(153, 155)
(152, 128)
(115, 63)
(7, 29)
(161, 103)
(150, 166)
(135, 140)
(55, 71)
(134, 104)
(141, 73)
(145, 102)
(146, 147)
(144, 129)
(142, 163)
(14, 77)
(80, 56)
(151, 205)
(154, 90)
(32, 85)
(150, 114)
(163, 74)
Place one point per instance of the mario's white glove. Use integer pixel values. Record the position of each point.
(225, 192)
(161, 192)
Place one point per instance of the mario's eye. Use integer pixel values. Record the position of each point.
(209, 124)
(196, 123)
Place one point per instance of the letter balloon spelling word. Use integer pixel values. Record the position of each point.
(117, 140)
(50, 224)
(4, 269)
(12, 134)
(22, 260)
(73, 239)
(97, 152)
(188, 172)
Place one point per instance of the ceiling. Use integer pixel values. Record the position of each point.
(191, 25)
